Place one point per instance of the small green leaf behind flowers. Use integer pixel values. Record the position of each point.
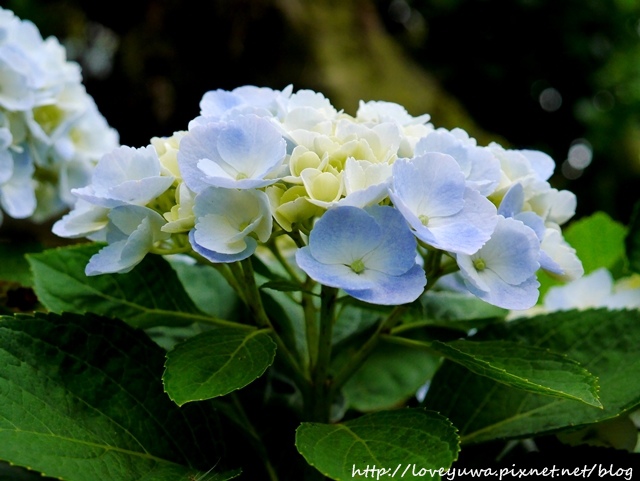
(216, 363)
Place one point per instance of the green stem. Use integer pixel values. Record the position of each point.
(311, 323)
(320, 404)
(230, 274)
(410, 326)
(297, 238)
(214, 321)
(283, 262)
(254, 303)
(405, 341)
(361, 355)
(432, 264)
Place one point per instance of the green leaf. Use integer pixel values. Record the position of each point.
(604, 342)
(284, 285)
(524, 367)
(216, 363)
(353, 320)
(386, 440)
(150, 295)
(207, 288)
(598, 241)
(453, 310)
(81, 399)
(632, 241)
(390, 375)
(14, 267)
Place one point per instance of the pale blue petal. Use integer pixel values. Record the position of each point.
(512, 202)
(252, 145)
(127, 219)
(396, 253)
(333, 275)
(431, 185)
(126, 176)
(393, 290)
(541, 163)
(464, 232)
(216, 103)
(83, 220)
(140, 192)
(380, 238)
(107, 260)
(6, 163)
(470, 274)
(366, 197)
(216, 233)
(548, 264)
(235, 154)
(131, 235)
(508, 296)
(125, 164)
(444, 142)
(512, 252)
(240, 207)
(420, 231)
(226, 219)
(533, 221)
(198, 144)
(343, 235)
(217, 257)
(17, 196)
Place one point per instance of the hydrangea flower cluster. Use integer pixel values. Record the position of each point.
(381, 204)
(51, 132)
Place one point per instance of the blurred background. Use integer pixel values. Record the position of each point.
(561, 77)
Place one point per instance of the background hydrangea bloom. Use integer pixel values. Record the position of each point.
(596, 289)
(49, 125)
(369, 253)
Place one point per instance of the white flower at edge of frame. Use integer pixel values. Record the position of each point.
(17, 195)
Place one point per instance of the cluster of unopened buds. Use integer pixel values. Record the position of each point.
(51, 132)
(380, 205)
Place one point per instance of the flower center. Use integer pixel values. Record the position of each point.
(357, 266)
(479, 264)
(241, 176)
(424, 219)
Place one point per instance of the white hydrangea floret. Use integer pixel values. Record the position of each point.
(126, 176)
